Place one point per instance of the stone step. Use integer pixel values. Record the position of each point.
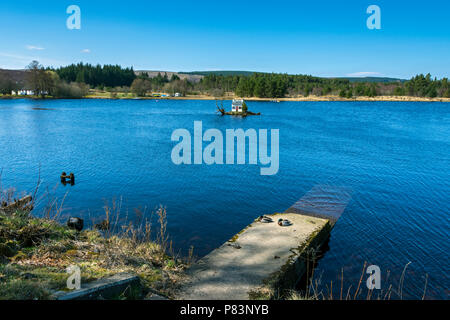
(105, 288)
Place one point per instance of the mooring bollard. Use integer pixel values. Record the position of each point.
(75, 223)
(67, 178)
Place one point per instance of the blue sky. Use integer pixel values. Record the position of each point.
(323, 38)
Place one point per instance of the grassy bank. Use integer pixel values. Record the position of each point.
(123, 95)
(35, 252)
(94, 94)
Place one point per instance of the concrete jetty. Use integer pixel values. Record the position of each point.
(265, 259)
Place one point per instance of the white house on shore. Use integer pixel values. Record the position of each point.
(236, 105)
(23, 93)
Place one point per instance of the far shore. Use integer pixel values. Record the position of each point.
(309, 98)
(313, 98)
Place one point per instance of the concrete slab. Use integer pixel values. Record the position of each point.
(262, 258)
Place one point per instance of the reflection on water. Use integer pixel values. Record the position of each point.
(394, 157)
(37, 108)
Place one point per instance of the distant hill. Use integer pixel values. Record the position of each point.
(193, 77)
(222, 73)
(372, 79)
(249, 73)
(196, 76)
(18, 76)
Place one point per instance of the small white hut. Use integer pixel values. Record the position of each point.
(236, 105)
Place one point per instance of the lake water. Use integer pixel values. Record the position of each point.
(394, 156)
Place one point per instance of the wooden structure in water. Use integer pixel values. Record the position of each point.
(67, 178)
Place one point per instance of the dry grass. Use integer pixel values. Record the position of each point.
(353, 292)
(35, 252)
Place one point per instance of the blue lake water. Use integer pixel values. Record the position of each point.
(394, 156)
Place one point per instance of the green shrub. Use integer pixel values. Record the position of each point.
(70, 90)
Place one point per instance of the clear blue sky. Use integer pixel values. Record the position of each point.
(323, 38)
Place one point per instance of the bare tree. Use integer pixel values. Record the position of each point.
(40, 80)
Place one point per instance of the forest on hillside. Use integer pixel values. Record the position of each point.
(74, 81)
(264, 85)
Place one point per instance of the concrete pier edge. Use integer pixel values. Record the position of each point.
(277, 284)
(234, 272)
